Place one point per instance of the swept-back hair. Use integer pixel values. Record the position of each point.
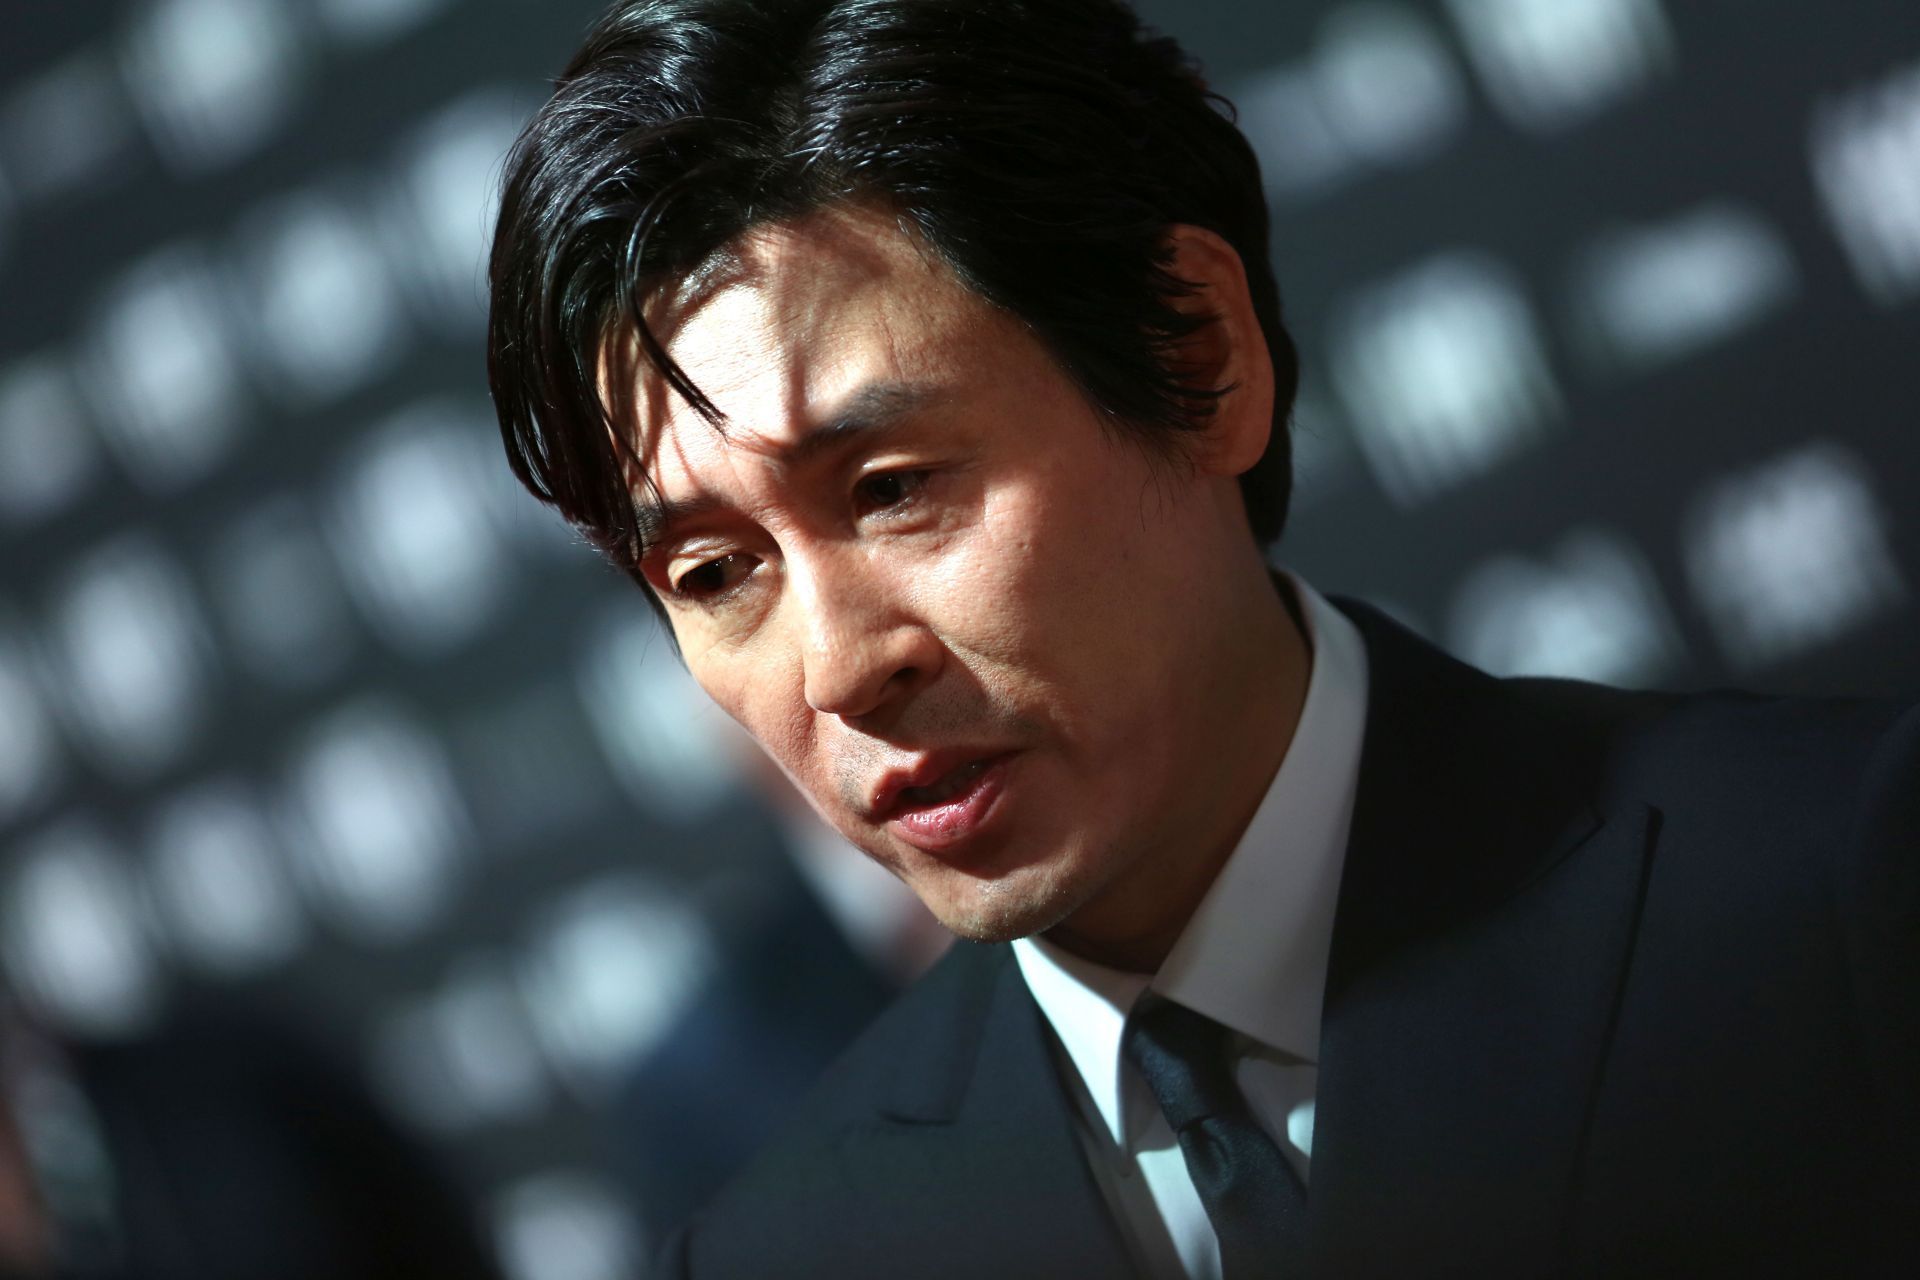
(1040, 148)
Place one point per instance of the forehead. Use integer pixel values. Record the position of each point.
(793, 319)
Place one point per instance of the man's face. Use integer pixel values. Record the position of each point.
(968, 621)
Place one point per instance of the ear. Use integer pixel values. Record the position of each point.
(1230, 352)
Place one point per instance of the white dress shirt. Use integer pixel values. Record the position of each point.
(1253, 957)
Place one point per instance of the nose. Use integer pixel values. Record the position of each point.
(864, 650)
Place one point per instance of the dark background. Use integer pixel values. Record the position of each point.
(1610, 311)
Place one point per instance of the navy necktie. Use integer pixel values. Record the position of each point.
(1255, 1200)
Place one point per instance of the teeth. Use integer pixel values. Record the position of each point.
(945, 789)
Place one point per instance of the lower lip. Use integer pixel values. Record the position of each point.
(937, 827)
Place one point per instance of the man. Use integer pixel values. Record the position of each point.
(922, 360)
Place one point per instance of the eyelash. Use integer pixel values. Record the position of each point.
(680, 589)
(913, 482)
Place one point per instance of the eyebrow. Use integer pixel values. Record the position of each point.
(869, 413)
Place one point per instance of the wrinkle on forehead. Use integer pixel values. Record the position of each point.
(779, 263)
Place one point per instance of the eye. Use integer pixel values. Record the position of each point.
(883, 491)
(713, 579)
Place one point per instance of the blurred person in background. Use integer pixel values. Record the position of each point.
(220, 1145)
(24, 1246)
(923, 362)
(825, 943)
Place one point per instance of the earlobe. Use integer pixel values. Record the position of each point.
(1229, 352)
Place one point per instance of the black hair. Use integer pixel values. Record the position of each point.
(1040, 148)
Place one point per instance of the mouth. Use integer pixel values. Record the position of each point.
(943, 790)
(949, 808)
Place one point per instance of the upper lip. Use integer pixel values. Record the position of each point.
(923, 770)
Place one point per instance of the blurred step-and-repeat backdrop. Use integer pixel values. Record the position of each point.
(1610, 309)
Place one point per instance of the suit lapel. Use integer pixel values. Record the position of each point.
(979, 1146)
(1487, 912)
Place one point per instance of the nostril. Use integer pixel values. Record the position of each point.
(856, 663)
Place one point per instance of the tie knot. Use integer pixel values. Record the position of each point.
(1182, 1055)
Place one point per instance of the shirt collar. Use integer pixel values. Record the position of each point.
(1254, 954)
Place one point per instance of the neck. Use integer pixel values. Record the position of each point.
(1262, 685)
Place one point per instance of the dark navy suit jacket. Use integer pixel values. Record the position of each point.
(1621, 984)
(789, 994)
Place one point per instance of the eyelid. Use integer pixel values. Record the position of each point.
(915, 480)
(676, 590)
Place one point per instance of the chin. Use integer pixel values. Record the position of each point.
(1017, 905)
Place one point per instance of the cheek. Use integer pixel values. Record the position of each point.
(1099, 630)
(1062, 547)
(758, 700)
(1036, 600)
(976, 591)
